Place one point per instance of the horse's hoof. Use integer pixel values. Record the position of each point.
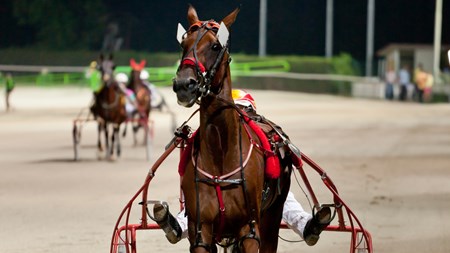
(112, 158)
(100, 155)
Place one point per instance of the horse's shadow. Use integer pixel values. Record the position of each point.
(69, 159)
(64, 160)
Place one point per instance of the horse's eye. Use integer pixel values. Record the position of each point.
(216, 47)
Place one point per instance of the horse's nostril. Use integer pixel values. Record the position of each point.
(185, 84)
(175, 85)
(192, 83)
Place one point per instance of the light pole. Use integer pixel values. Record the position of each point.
(262, 28)
(437, 39)
(370, 31)
(329, 30)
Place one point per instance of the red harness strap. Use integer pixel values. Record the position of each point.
(273, 168)
(221, 211)
(192, 62)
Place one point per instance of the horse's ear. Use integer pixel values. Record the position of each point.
(142, 64)
(192, 15)
(133, 63)
(111, 57)
(229, 20)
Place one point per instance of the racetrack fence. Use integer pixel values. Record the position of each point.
(273, 75)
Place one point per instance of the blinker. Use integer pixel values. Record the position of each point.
(222, 33)
(180, 33)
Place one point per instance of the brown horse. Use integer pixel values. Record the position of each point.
(225, 179)
(109, 108)
(143, 98)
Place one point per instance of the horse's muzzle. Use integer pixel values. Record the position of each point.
(187, 90)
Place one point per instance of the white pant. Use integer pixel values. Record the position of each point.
(293, 214)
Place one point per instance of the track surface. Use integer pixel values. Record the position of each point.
(389, 160)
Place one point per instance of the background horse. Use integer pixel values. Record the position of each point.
(224, 178)
(109, 108)
(143, 99)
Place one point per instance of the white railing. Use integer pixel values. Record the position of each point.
(42, 69)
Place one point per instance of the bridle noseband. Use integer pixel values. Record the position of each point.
(204, 76)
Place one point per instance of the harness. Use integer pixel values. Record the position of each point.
(114, 104)
(205, 78)
(217, 181)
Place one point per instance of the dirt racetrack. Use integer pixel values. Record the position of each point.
(389, 160)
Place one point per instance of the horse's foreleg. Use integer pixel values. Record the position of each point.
(144, 126)
(135, 127)
(108, 148)
(250, 238)
(201, 242)
(269, 232)
(269, 235)
(135, 130)
(114, 138)
(124, 133)
(116, 131)
(99, 141)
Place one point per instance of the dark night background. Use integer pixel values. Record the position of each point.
(294, 26)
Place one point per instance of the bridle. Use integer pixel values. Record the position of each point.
(204, 76)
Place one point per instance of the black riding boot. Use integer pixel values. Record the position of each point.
(167, 222)
(316, 225)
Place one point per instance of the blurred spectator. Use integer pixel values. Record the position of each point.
(390, 79)
(9, 84)
(404, 80)
(93, 75)
(427, 91)
(420, 79)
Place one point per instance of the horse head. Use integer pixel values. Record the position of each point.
(136, 69)
(205, 50)
(106, 67)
